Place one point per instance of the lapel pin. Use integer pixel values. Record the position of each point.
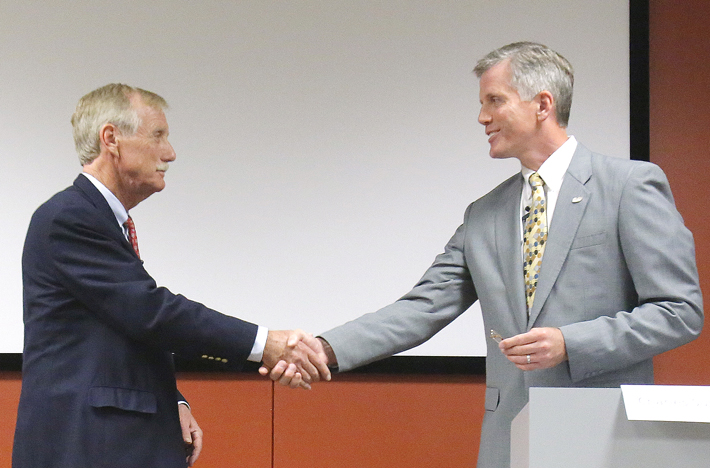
(576, 199)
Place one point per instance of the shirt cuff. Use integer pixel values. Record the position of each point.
(257, 351)
(183, 402)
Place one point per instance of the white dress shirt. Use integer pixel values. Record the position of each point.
(553, 172)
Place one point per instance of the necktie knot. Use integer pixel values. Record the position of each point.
(132, 238)
(535, 180)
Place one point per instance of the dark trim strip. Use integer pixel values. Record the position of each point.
(639, 103)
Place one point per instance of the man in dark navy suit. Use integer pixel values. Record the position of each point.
(98, 384)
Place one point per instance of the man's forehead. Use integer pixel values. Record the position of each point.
(499, 72)
(150, 115)
(497, 89)
(495, 81)
(139, 103)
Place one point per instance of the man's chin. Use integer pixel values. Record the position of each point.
(498, 155)
(158, 186)
(160, 183)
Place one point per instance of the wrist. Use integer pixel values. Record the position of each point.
(328, 350)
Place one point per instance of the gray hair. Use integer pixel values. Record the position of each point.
(108, 104)
(535, 68)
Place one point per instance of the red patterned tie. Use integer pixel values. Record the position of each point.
(132, 235)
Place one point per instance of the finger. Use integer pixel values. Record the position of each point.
(318, 357)
(521, 350)
(305, 386)
(186, 437)
(306, 376)
(513, 341)
(307, 368)
(522, 363)
(300, 355)
(185, 426)
(288, 375)
(533, 336)
(278, 370)
(263, 370)
(296, 381)
(197, 446)
(189, 448)
(317, 360)
(322, 367)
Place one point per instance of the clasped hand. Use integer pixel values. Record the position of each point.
(294, 358)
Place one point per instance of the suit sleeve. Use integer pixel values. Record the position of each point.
(660, 256)
(110, 281)
(444, 292)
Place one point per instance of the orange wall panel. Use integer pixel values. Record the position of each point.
(235, 414)
(380, 421)
(10, 384)
(679, 41)
(233, 410)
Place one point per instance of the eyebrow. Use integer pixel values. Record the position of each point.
(491, 96)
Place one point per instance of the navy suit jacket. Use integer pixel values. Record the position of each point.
(98, 384)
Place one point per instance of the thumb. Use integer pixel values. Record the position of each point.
(295, 337)
(186, 435)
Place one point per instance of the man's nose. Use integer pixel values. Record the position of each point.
(170, 155)
(483, 117)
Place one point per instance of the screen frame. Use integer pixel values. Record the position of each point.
(639, 117)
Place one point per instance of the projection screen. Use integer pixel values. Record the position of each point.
(326, 150)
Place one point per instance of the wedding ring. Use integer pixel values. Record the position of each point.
(528, 356)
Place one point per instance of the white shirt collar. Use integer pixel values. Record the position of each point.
(554, 168)
(552, 171)
(116, 206)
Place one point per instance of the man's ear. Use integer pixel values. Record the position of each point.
(108, 137)
(545, 106)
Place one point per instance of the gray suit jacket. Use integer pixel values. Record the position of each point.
(618, 278)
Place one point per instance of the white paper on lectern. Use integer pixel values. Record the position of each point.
(667, 403)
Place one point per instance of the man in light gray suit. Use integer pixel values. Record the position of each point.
(617, 279)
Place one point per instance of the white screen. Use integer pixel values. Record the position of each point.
(326, 150)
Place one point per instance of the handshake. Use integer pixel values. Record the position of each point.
(296, 358)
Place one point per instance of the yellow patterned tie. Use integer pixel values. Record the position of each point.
(534, 238)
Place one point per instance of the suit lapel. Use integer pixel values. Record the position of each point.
(510, 261)
(571, 204)
(98, 200)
